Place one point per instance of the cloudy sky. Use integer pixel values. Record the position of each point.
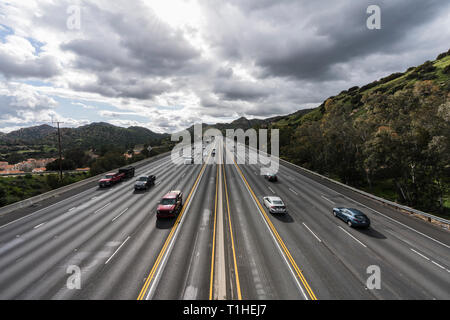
(167, 64)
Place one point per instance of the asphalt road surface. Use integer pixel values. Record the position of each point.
(224, 244)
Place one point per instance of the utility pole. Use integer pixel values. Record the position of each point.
(60, 152)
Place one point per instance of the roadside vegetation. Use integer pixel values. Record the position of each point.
(17, 188)
(390, 137)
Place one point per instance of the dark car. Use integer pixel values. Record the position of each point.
(128, 172)
(353, 217)
(271, 177)
(144, 182)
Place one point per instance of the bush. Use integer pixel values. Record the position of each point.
(443, 55)
(391, 77)
(446, 70)
(427, 67)
(3, 200)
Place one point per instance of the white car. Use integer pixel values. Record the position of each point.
(275, 205)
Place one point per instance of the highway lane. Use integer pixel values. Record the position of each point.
(389, 245)
(222, 246)
(39, 255)
(185, 275)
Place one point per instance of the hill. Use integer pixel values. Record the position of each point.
(91, 136)
(390, 137)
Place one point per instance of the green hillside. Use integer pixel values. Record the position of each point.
(92, 136)
(390, 137)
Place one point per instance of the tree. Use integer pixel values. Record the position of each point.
(67, 164)
(78, 156)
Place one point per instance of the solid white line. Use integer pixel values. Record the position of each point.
(419, 254)
(119, 214)
(102, 207)
(312, 232)
(71, 209)
(328, 200)
(117, 249)
(353, 237)
(39, 225)
(293, 191)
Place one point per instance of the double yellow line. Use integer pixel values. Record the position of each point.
(169, 238)
(280, 241)
(236, 272)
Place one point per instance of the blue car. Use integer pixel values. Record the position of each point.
(353, 217)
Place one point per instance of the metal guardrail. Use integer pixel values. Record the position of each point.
(427, 216)
(36, 199)
(5, 175)
(373, 197)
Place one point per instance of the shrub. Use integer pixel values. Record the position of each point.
(446, 70)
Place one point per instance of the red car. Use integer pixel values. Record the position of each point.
(110, 179)
(170, 205)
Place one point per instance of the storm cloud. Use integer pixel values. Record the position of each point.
(212, 61)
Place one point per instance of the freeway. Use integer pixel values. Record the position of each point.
(223, 245)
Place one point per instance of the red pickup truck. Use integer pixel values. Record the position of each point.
(170, 205)
(110, 179)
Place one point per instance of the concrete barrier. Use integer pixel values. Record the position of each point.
(36, 199)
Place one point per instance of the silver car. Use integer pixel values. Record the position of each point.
(275, 204)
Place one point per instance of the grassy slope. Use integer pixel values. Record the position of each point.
(406, 80)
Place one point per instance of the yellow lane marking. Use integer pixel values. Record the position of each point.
(163, 250)
(214, 239)
(277, 236)
(238, 286)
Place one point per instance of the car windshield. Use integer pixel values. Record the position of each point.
(109, 176)
(142, 179)
(278, 202)
(167, 202)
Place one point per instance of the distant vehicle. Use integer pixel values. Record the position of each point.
(275, 205)
(144, 182)
(110, 179)
(188, 160)
(170, 205)
(353, 217)
(128, 172)
(271, 177)
(213, 152)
